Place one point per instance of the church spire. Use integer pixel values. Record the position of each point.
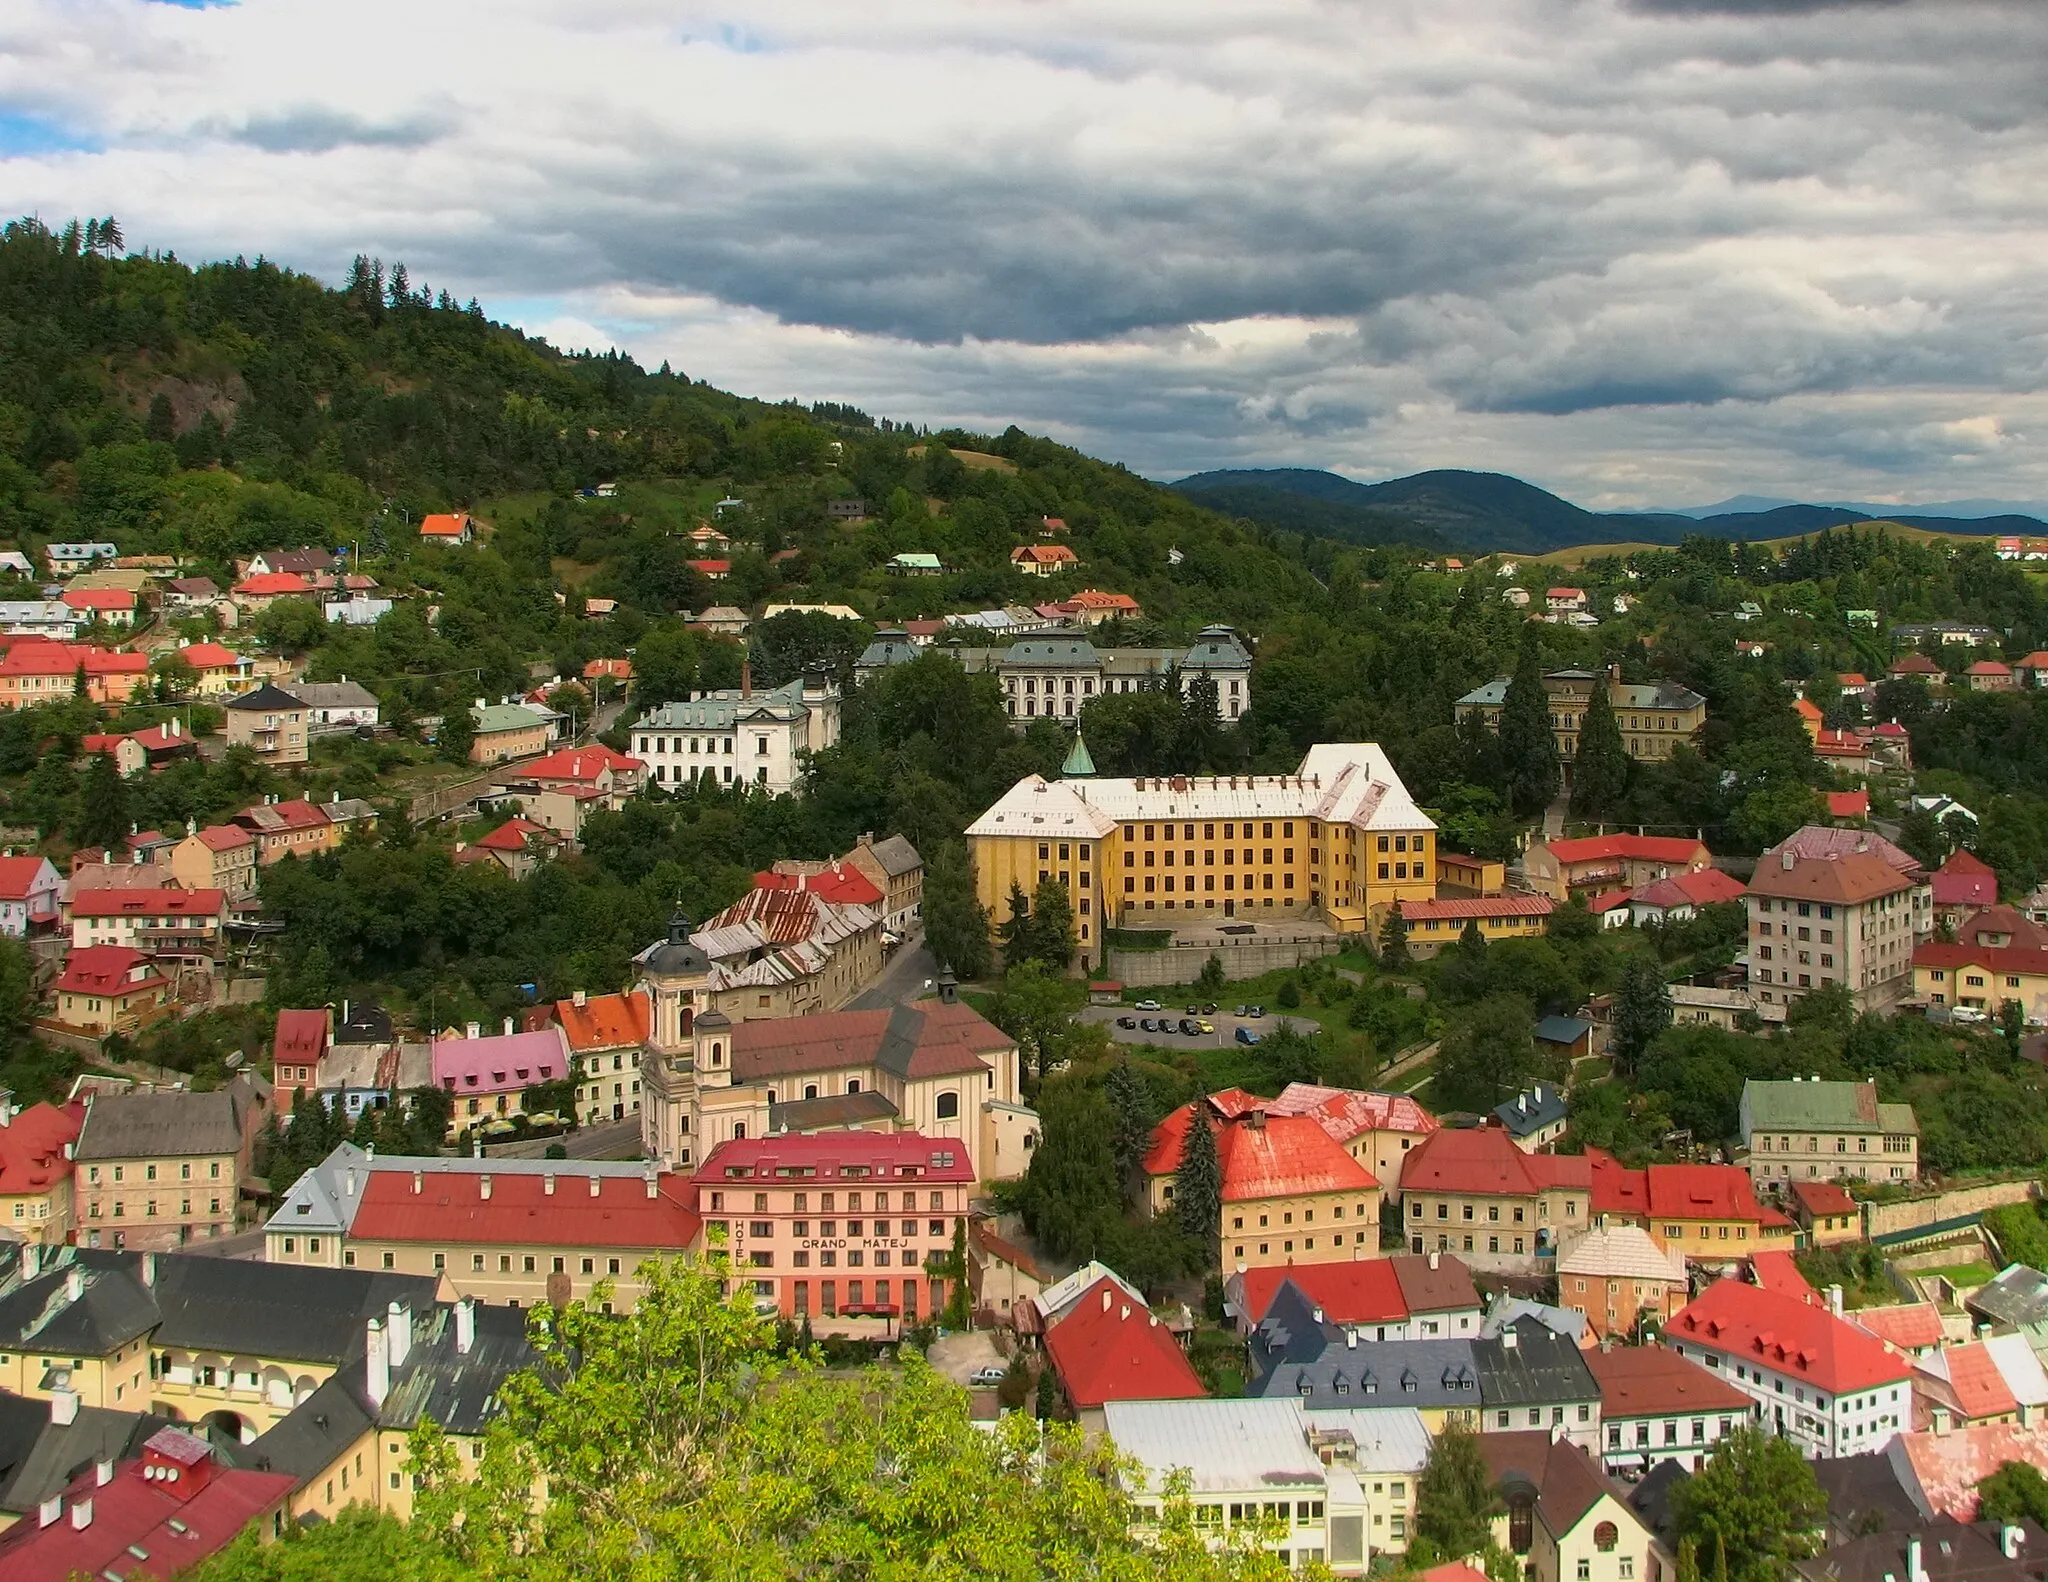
(1079, 766)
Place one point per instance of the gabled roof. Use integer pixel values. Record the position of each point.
(580, 764)
(267, 699)
(1365, 1291)
(924, 1039)
(1530, 1363)
(605, 1021)
(1699, 887)
(1655, 1381)
(1822, 840)
(1940, 1472)
(301, 1312)
(844, 885)
(1266, 1156)
(1714, 1192)
(1109, 1348)
(1904, 1326)
(1848, 881)
(1435, 1282)
(1964, 880)
(223, 837)
(1818, 1106)
(1636, 848)
(512, 835)
(500, 1062)
(1347, 1112)
(1775, 1269)
(160, 1125)
(272, 584)
(148, 903)
(1621, 1252)
(32, 1145)
(896, 856)
(301, 1037)
(1823, 1197)
(1474, 908)
(105, 969)
(1484, 1160)
(1568, 1485)
(448, 524)
(1544, 1105)
(1787, 1336)
(19, 876)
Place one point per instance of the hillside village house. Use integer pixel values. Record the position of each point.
(33, 672)
(738, 735)
(220, 857)
(1983, 978)
(891, 865)
(186, 926)
(109, 988)
(1559, 868)
(1826, 1131)
(217, 672)
(1476, 1194)
(51, 618)
(505, 730)
(1403, 1297)
(29, 889)
(36, 1170)
(1376, 1129)
(1055, 673)
(271, 723)
(1845, 920)
(488, 1078)
(67, 559)
(606, 1034)
(334, 707)
(792, 946)
(1434, 924)
(1044, 560)
(1654, 717)
(454, 527)
(1340, 835)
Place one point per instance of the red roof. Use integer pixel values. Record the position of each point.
(1162, 1157)
(1696, 887)
(1848, 804)
(1108, 1348)
(1979, 1387)
(1285, 1156)
(224, 837)
(1914, 665)
(579, 764)
(1654, 1381)
(1905, 1326)
(208, 656)
(520, 1211)
(877, 1156)
(1366, 1291)
(844, 886)
(1095, 599)
(1638, 848)
(149, 903)
(301, 1038)
(1485, 1160)
(605, 1021)
(1564, 593)
(1988, 667)
(1609, 900)
(99, 598)
(175, 1524)
(18, 874)
(711, 568)
(512, 835)
(1777, 1270)
(1786, 1335)
(1807, 709)
(1823, 1197)
(272, 583)
(1964, 880)
(444, 524)
(1616, 1188)
(67, 659)
(1043, 554)
(104, 969)
(1716, 1192)
(613, 669)
(928, 1038)
(32, 1147)
(1346, 1112)
(298, 813)
(1483, 906)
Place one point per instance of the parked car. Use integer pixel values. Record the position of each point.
(1128, 1023)
(1148, 1026)
(1254, 1012)
(1190, 1026)
(1148, 1005)
(1206, 1026)
(1246, 1036)
(1969, 1015)
(1194, 1010)
(1240, 1010)
(1209, 1009)
(987, 1378)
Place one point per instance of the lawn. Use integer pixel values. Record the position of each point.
(1964, 1276)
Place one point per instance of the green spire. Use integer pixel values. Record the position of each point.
(1079, 766)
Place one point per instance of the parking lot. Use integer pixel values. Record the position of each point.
(1225, 1023)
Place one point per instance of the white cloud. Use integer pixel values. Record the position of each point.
(1635, 249)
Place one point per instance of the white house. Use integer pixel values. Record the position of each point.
(66, 559)
(739, 736)
(29, 888)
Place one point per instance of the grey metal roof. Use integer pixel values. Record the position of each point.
(267, 698)
(1386, 1438)
(1418, 1373)
(888, 648)
(47, 1315)
(306, 1441)
(897, 856)
(1541, 1367)
(1217, 649)
(834, 1110)
(724, 709)
(39, 1457)
(1492, 695)
(334, 695)
(457, 1389)
(289, 1311)
(2018, 1296)
(1526, 1113)
(160, 1125)
(1226, 1446)
(1053, 653)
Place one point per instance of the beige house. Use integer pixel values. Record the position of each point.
(1815, 922)
(891, 865)
(779, 952)
(1474, 1193)
(506, 730)
(271, 723)
(36, 1170)
(1826, 1131)
(1002, 1276)
(110, 988)
(1654, 717)
(219, 857)
(1565, 1520)
(156, 1170)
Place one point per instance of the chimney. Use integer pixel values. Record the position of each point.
(746, 678)
(484, 1186)
(31, 1259)
(1350, 1339)
(379, 1362)
(1255, 1119)
(350, 1190)
(1914, 1572)
(547, 1185)
(1509, 1340)
(1319, 1314)
(63, 1407)
(74, 1285)
(102, 1473)
(81, 1515)
(2010, 1537)
(50, 1512)
(1435, 1259)
(594, 1180)
(475, 1030)
(650, 1175)
(149, 1269)
(1785, 857)
(1835, 1300)
(582, 999)
(465, 1326)
(398, 1325)
(508, 1027)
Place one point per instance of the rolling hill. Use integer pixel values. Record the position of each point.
(1489, 511)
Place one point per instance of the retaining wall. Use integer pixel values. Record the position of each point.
(1145, 969)
(1885, 1219)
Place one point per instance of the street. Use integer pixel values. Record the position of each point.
(904, 978)
(612, 1140)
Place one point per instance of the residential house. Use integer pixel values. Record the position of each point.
(1044, 560)
(891, 1271)
(1232, 1457)
(33, 672)
(185, 596)
(305, 561)
(271, 723)
(845, 510)
(183, 926)
(1965, 634)
(709, 570)
(110, 607)
(1850, 806)
(612, 775)
(740, 735)
(447, 527)
(55, 619)
(140, 751)
(66, 559)
(1940, 1472)
(892, 867)
(1826, 1213)
(490, 1078)
(1826, 1131)
(1560, 868)
(1728, 1009)
(1473, 1192)
(1817, 922)
(1532, 1377)
(722, 620)
(605, 1034)
(1912, 1329)
(217, 672)
(1989, 675)
(109, 988)
(518, 845)
(792, 946)
(1915, 667)
(1538, 1118)
(1980, 980)
(1962, 884)
(1564, 600)
(1376, 1129)
(1709, 1213)
(257, 593)
(1409, 1296)
(1654, 717)
(297, 1048)
(1002, 1277)
(1680, 897)
(160, 1169)
(336, 707)
(1290, 1191)
(36, 1171)
(1092, 606)
(1295, 1354)
(1996, 1379)
(1830, 1387)
(29, 888)
(1110, 1347)
(1386, 1449)
(220, 857)
(505, 731)
(1432, 925)
(294, 827)
(1618, 1275)
(1658, 1406)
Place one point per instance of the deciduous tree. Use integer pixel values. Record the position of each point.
(1755, 1502)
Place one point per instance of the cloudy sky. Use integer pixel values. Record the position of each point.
(1639, 251)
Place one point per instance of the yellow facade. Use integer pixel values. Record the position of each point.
(119, 1380)
(1494, 1223)
(43, 1218)
(1429, 934)
(1314, 1227)
(510, 1274)
(1943, 976)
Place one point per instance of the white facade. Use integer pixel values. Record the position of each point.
(41, 618)
(1639, 1441)
(1820, 1424)
(729, 737)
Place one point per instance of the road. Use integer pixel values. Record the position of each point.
(902, 979)
(612, 1140)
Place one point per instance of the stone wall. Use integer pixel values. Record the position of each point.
(1147, 969)
(1885, 1219)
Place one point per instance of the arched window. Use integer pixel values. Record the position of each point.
(810, 1090)
(1605, 1537)
(948, 1106)
(853, 1084)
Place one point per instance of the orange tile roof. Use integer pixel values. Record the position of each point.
(1654, 1381)
(208, 656)
(512, 835)
(1285, 1156)
(1346, 1112)
(1786, 1335)
(1823, 1197)
(605, 1021)
(1847, 880)
(1169, 1137)
(32, 1147)
(1640, 848)
(521, 1210)
(1485, 1160)
(1979, 1388)
(1108, 1348)
(1777, 1270)
(445, 524)
(1478, 907)
(274, 583)
(1904, 1326)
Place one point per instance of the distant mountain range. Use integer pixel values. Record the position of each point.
(1489, 511)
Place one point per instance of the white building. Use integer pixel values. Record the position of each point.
(740, 736)
(65, 559)
(357, 610)
(41, 618)
(1246, 1461)
(1385, 1448)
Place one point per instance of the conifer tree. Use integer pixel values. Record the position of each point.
(1600, 771)
(1528, 742)
(1133, 1122)
(1642, 1009)
(1198, 1182)
(1052, 926)
(1394, 940)
(1014, 932)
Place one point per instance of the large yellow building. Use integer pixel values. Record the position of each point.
(1653, 717)
(1340, 836)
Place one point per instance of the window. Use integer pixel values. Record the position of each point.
(948, 1106)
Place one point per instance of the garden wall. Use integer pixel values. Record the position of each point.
(1885, 1219)
(1147, 969)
